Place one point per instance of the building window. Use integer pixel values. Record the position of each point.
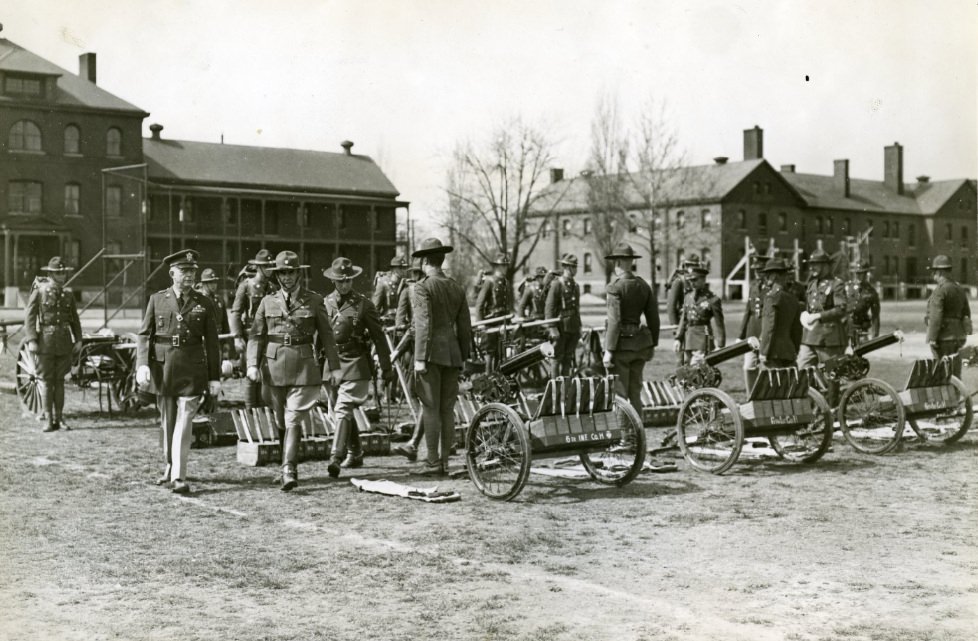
(304, 217)
(587, 288)
(782, 222)
(72, 199)
(912, 235)
(113, 142)
(869, 226)
(829, 226)
(186, 212)
(680, 256)
(757, 187)
(964, 237)
(818, 225)
(886, 229)
(587, 262)
(72, 140)
(762, 222)
(964, 270)
(632, 225)
(680, 219)
(948, 232)
(24, 197)
(741, 219)
(23, 86)
(767, 188)
(230, 212)
(565, 226)
(896, 230)
(587, 226)
(72, 252)
(271, 222)
(706, 219)
(24, 136)
(340, 217)
(113, 201)
(705, 257)
(846, 226)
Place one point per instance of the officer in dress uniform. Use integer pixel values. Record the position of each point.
(208, 287)
(678, 288)
(780, 335)
(751, 325)
(53, 329)
(495, 299)
(178, 359)
(864, 304)
(564, 302)
(443, 334)
(247, 297)
(281, 352)
(629, 345)
(355, 324)
(701, 325)
(388, 290)
(948, 317)
(405, 318)
(824, 334)
(533, 300)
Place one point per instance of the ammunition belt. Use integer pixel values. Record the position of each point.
(290, 339)
(177, 340)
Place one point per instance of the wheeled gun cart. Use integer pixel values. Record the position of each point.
(581, 416)
(937, 404)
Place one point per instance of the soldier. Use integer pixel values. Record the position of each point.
(780, 334)
(564, 302)
(442, 329)
(678, 288)
(208, 287)
(53, 329)
(701, 312)
(388, 290)
(948, 317)
(864, 304)
(355, 324)
(248, 296)
(495, 299)
(824, 319)
(281, 352)
(405, 318)
(533, 299)
(178, 359)
(751, 325)
(628, 343)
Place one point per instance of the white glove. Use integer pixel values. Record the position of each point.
(239, 344)
(142, 375)
(608, 359)
(214, 388)
(227, 367)
(754, 343)
(253, 374)
(808, 320)
(420, 367)
(31, 346)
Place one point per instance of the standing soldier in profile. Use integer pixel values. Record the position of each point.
(780, 334)
(356, 324)
(52, 329)
(824, 333)
(405, 318)
(281, 352)
(948, 317)
(178, 359)
(864, 304)
(248, 296)
(701, 325)
(533, 299)
(388, 290)
(751, 325)
(495, 299)
(564, 302)
(629, 344)
(208, 287)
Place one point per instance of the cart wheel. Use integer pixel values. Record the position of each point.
(950, 424)
(871, 416)
(710, 430)
(28, 384)
(497, 451)
(809, 442)
(619, 464)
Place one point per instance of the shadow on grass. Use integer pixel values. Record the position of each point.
(579, 491)
(777, 467)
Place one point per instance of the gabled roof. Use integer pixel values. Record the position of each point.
(932, 196)
(204, 163)
(72, 90)
(821, 192)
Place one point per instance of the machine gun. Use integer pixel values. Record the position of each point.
(706, 373)
(501, 385)
(852, 367)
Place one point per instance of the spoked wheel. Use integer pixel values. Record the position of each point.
(871, 416)
(620, 463)
(809, 442)
(950, 424)
(710, 430)
(497, 451)
(28, 383)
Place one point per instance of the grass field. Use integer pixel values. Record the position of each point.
(852, 547)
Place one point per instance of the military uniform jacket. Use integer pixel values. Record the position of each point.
(386, 296)
(246, 300)
(674, 300)
(629, 297)
(948, 313)
(751, 325)
(405, 316)
(52, 319)
(442, 327)
(179, 343)
(533, 301)
(828, 297)
(356, 324)
(780, 325)
(564, 302)
(495, 298)
(223, 325)
(864, 305)
(701, 311)
(291, 362)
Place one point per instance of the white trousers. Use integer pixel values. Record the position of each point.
(176, 416)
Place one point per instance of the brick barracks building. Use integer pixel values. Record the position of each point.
(77, 177)
(709, 211)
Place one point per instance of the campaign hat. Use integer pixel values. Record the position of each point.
(208, 276)
(819, 256)
(431, 246)
(568, 259)
(622, 250)
(399, 261)
(940, 262)
(860, 266)
(776, 265)
(698, 269)
(56, 265)
(262, 259)
(501, 258)
(287, 260)
(342, 269)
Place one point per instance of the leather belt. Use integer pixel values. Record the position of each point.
(177, 340)
(51, 329)
(290, 339)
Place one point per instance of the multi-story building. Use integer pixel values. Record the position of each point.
(716, 211)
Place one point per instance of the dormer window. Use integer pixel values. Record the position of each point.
(19, 86)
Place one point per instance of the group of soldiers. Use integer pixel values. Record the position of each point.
(295, 341)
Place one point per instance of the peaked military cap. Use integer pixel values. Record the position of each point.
(263, 259)
(501, 258)
(287, 260)
(56, 265)
(342, 269)
(183, 258)
(431, 246)
(776, 265)
(860, 266)
(940, 262)
(622, 250)
(568, 259)
(398, 261)
(819, 256)
(208, 276)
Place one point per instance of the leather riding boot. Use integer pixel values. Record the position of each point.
(47, 401)
(290, 448)
(340, 441)
(59, 404)
(354, 457)
(290, 477)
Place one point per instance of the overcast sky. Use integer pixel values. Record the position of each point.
(407, 79)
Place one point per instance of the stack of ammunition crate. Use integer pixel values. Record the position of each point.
(928, 387)
(779, 398)
(575, 413)
(660, 403)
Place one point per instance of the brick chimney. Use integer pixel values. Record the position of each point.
(556, 175)
(840, 176)
(86, 67)
(155, 128)
(753, 143)
(787, 169)
(893, 167)
(347, 147)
